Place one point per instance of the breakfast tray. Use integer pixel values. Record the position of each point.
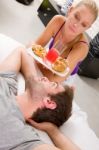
(47, 64)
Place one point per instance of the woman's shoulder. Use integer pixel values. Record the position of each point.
(84, 39)
(82, 42)
(59, 19)
(82, 45)
(56, 23)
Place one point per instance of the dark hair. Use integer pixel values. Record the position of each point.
(61, 113)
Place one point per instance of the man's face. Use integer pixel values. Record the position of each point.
(50, 87)
(42, 87)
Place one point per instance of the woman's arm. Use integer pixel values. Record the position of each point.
(56, 136)
(49, 31)
(78, 53)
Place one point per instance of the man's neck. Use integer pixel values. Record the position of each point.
(27, 105)
(24, 104)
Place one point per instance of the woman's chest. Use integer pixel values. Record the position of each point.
(65, 53)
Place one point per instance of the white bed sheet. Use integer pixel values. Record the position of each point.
(76, 128)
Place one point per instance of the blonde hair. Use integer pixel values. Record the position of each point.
(93, 8)
(91, 4)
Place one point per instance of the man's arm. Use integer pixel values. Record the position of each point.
(60, 140)
(28, 65)
(56, 136)
(19, 60)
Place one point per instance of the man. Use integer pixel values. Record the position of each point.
(40, 97)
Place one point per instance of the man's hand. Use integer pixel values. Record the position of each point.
(44, 126)
(56, 136)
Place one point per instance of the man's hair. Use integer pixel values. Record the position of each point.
(61, 113)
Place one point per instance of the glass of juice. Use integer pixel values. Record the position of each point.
(52, 55)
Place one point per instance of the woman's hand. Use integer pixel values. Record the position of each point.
(28, 45)
(44, 126)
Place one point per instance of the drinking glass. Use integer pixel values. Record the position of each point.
(52, 55)
(60, 45)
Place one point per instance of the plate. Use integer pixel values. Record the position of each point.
(47, 64)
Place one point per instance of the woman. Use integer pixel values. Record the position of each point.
(70, 31)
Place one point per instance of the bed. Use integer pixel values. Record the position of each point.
(76, 128)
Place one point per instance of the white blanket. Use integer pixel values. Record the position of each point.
(76, 128)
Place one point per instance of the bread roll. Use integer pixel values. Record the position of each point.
(59, 65)
(39, 50)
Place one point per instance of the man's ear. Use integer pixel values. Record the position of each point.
(48, 103)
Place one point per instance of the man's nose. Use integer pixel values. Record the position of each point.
(45, 79)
